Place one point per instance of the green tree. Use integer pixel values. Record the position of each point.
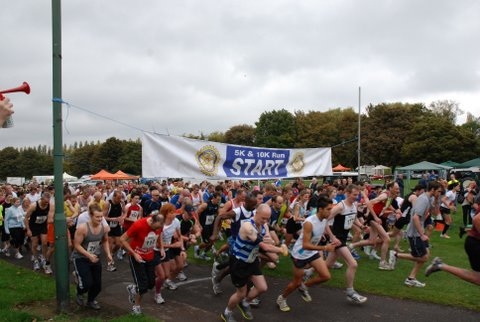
(276, 129)
(241, 135)
(131, 159)
(9, 163)
(107, 155)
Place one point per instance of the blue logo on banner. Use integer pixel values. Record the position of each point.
(247, 162)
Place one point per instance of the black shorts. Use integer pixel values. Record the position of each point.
(402, 221)
(240, 271)
(301, 263)
(207, 232)
(38, 230)
(444, 211)
(428, 222)
(472, 248)
(143, 274)
(293, 227)
(418, 246)
(157, 257)
(115, 231)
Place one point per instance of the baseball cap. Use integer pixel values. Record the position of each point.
(189, 209)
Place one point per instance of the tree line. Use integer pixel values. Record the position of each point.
(392, 134)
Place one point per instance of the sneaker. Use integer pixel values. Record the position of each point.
(255, 302)
(303, 289)
(111, 267)
(136, 310)
(159, 299)
(384, 266)
(204, 257)
(354, 253)
(216, 287)
(444, 236)
(120, 254)
(414, 283)
(93, 305)
(170, 285)
(36, 265)
(196, 251)
(32, 258)
(245, 310)
(373, 255)
(356, 298)
(307, 273)
(18, 255)
(47, 269)
(228, 317)
(434, 266)
(392, 259)
(337, 265)
(282, 304)
(215, 270)
(181, 276)
(6, 251)
(367, 249)
(132, 293)
(80, 300)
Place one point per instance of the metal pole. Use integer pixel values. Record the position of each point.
(358, 134)
(61, 250)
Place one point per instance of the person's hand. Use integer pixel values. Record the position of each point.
(6, 109)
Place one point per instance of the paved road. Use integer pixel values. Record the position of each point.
(195, 301)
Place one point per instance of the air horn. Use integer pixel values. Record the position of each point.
(22, 88)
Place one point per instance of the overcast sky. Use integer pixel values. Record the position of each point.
(201, 66)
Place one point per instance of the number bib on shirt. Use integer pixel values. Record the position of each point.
(93, 247)
(209, 220)
(150, 241)
(349, 220)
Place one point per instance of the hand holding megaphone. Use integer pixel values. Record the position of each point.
(6, 108)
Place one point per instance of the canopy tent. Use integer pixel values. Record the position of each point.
(470, 163)
(103, 175)
(67, 177)
(381, 170)
(424, 166)
(450, 163)
(123, 176)
(340, 168)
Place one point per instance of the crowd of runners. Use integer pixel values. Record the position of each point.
(243, 228)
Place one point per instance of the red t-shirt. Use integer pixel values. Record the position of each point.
(143, 238)
(133, 213)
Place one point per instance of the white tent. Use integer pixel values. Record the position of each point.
(67, 177)
(380, 170)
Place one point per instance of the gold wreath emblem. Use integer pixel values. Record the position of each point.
(297, 164)
(208, 159)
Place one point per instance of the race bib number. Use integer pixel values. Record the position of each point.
(209, 220)
(134, 215)
(113, 224)
(40, 219)
(150, 241)
(93, 247)
(349, 220)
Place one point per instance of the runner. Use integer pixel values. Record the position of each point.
(306, 253)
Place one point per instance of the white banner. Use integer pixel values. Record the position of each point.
(179, 157)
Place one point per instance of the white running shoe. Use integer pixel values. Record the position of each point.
(159, 299)
(356, 298)
(181, 276)
(414, 283)
(282, 304)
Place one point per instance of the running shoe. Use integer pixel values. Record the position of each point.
(36, 265)
(111, 267)
(18, 255)
(170, 285)
(356, 298)
(196, 251)
(217, 289)
(354, 253)
(47, 269)
(374, 255)
(384, 266)
(434, 266)
(93, 305)
(255, 302)
(132, 293)
(136, 310)
(228, 317)
(215, 270)
(444, 236)
(120, 254)
(204, 257)
(392, 258)
(282, 304)
(245, 310)
(159, 299)
(303, 289)
(414, 283)
(80, 300)
(181, 276)
(337, 265)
